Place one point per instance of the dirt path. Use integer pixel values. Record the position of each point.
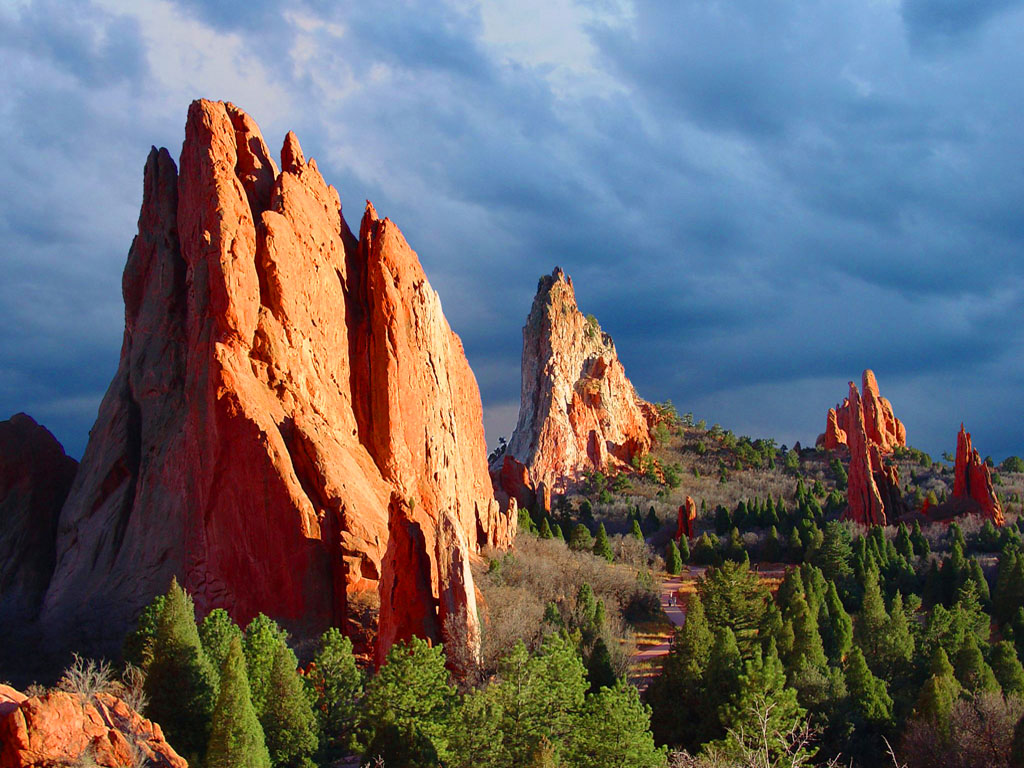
(646, 658)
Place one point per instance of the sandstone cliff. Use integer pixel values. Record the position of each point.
(972, 481)
(687, 520)
(873, 492)
(35, 477)
(282, 386)
(577, 410)
(880, 423)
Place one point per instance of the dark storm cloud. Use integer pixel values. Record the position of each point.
(756, 200)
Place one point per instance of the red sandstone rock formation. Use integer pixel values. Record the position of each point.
(577, 411)
(873, 494)
(60, 728)
(973, 480)
(282, 386)
(880, 424)
(687, 519)
(35, 477)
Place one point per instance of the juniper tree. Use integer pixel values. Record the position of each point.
(1007, 668)
(236, 737)
(289, 725)
(636, 532)
(138, 646)
(673, 560)
(336, 685)
(216, 632)
(580, 539)
(972, 672)
(868, 694)
(260, 643)
(181, 684)
(601, 546)
(838, 637)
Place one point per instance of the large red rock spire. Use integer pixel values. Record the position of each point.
(577, 411)
(973, 481)
(872, 493)
(282, 385)
(880, 424)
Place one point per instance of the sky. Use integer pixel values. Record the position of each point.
(756, 199)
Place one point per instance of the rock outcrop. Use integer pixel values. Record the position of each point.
(577, 411)
(35, 477)
(685, 525)
(873, 492)
(881, 426)
(288, 396)
(59, 728)
(972, 481)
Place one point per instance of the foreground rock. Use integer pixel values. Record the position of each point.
(881, 426)
(281, 384)
(972, 481)
(577, 410)
(60, 728)
(873, 491)
(35, 477)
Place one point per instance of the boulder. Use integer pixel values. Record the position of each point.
(59, 728)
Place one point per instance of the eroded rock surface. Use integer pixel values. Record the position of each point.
(873, 492)
(880, 423)
(972, 480)
(35, 477)
(59, 728)
(577, 411)
(281, 384)
(687, 520)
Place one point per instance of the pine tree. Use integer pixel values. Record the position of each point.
(734, 597)
(904, 546)
(262, 638)
(724, 667)
(868, 630)
(673, 561)
(1009, 595)
(337, 685)
(613, 731)
(289, 724)
(407, 703)
(935, 702)
(1007, 668)
(897, 642)
(601, 546)
(762, 693)
(236, 737)
(971, 670)
(580, 539)
(795, 547)
(867, 693)
(808, 651)
(976, 575)
(920, 543)
(216, 632)
(181, 684)
(839, 638)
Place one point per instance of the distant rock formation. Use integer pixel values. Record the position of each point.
(577, 410)
(880, 424)
(287, 394)
(973, 481)
(59, 728)
(873, 491)
(686, 524)
(35, 477)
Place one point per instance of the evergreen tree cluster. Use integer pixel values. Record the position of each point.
(229, 698)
